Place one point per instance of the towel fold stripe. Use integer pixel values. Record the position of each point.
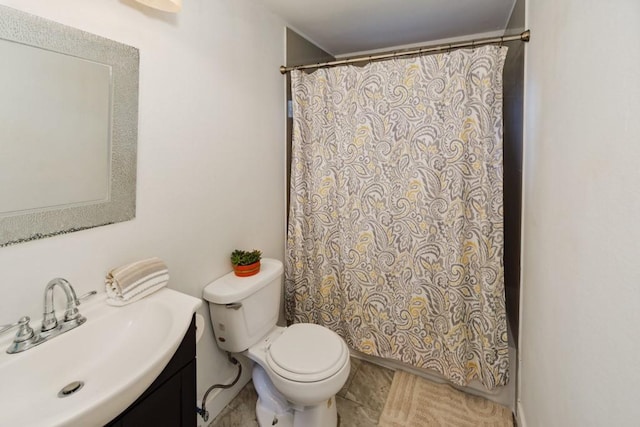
(130, 274)
(159, 281)
(133, 281)
(119, 302)
(133, 286)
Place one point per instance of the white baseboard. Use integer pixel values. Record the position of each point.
(520, 419)
(219, 398)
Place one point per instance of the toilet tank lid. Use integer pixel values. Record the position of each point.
(231, 288)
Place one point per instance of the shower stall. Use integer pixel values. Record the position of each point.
(396, 222)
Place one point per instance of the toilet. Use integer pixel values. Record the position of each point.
(298, 369)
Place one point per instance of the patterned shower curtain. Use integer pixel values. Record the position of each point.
(395, 234)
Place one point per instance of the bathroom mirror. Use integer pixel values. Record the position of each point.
(68, 129)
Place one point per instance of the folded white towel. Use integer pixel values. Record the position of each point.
(132, 282)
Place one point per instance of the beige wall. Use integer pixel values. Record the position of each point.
(581, 275)
(210, 156)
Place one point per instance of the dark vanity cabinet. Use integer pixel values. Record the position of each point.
(171, 400)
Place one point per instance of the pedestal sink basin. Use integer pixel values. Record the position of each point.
(116, 354)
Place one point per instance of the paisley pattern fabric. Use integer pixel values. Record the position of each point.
(395, 234)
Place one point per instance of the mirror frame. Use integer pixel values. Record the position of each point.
(27, 29)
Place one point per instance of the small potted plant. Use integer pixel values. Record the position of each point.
(246, 263)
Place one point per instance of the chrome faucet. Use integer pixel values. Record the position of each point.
(71, 313)
(27, 338)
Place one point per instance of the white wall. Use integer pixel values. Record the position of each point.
(210, 154)
(581, 270)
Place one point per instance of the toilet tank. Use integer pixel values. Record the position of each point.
(244, 309)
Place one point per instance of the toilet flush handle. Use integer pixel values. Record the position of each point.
(234, 305)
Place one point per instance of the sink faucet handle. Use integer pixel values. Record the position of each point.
(25, 332)
(25, 337)
(9, 326)
(72, 314)
(86, 296)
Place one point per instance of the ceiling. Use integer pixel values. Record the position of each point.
(349, 26)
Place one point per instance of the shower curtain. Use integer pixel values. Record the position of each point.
(395, 233)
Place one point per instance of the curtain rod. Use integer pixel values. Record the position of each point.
(524, 36)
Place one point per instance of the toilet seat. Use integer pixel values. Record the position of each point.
(306, 352)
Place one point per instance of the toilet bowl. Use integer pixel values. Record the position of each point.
(299, 368)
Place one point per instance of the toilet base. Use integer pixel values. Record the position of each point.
(273, 409)
(266, 416)
(324, 414)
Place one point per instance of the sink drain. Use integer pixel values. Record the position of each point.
(70, 388)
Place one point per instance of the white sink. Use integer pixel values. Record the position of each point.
(117, 353)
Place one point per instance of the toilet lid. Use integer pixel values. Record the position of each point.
(305, 352)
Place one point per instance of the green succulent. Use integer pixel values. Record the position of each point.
(239, 257)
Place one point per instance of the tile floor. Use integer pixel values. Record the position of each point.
(360, 402)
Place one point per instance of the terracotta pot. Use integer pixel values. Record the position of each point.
(246, 270)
